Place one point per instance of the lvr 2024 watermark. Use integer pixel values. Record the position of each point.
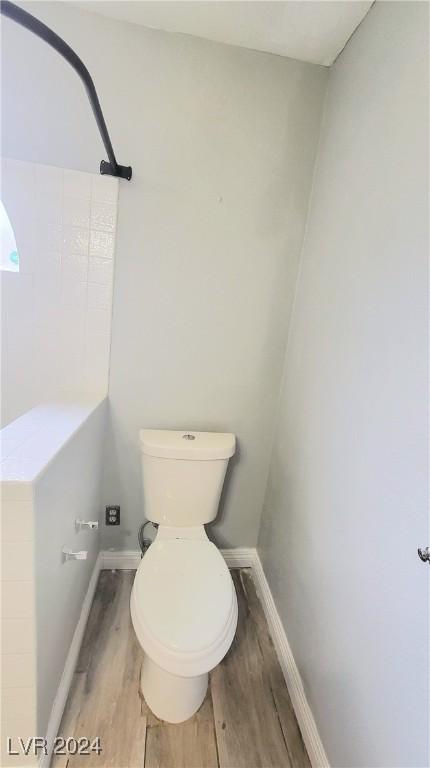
(37, 745)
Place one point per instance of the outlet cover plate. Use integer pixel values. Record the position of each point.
(113, 515)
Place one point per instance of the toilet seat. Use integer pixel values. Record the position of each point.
(184, 605)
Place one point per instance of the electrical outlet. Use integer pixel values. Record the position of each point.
(112, 515)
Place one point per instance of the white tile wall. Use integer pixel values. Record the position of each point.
(17, 611)
(17, 561)
(39, 480)
(56, 312)
(17, 669)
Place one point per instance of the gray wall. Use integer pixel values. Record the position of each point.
(208, 245)
(346, 504)
(67, 489)
(222, 141)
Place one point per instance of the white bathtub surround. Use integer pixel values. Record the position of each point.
(50, 474)
(17, 611)
(56, 311)
(31, 442)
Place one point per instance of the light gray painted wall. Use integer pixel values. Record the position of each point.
(203, 289)
(222, 143)
(69, 488)
(346, 504)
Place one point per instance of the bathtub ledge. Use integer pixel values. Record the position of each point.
(31, 442)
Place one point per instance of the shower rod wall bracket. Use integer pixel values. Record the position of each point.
(38, 28)
(123, 171)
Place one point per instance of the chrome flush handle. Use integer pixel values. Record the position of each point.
(424, 555)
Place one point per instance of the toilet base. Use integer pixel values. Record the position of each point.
(170, 697)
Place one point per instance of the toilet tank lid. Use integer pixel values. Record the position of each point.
(190, 445)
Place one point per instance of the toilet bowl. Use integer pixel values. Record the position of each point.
(184, 612)
(183, 602)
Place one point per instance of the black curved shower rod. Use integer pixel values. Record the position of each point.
(40, 29)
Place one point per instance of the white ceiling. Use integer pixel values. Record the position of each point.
(301, 29)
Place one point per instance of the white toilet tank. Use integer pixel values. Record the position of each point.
(183, 474)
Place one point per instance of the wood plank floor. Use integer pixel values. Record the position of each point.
(246, 720)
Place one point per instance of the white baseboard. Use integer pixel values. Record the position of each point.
(70, 665)
(304, 715)
(240, 557)
(122, 560)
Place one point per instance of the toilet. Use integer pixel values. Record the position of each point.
(183, 602)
